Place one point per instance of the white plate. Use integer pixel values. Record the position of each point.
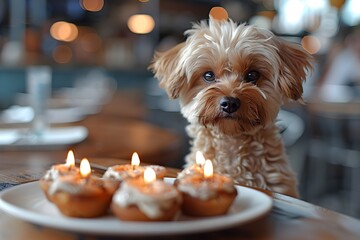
(28, 203)
(25, 114)
(53, 137)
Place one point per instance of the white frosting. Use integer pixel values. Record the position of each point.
(157, 168)
(192, 170)
(121, 172)
(197, 186)
(59, 170)
(75, 185)
(152, 200)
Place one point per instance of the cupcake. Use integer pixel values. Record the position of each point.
(195, 169)
(122, 172)
(205, 194)
(57, 171)
(144, 199)
(133, 170)
(82, 196)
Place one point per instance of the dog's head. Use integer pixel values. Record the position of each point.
(232, 77)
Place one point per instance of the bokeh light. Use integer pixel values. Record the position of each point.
(141, 23)
(311, 44)
(337, 3)
(292, 16)
(64, 31)
(92, 5)
(219, 13)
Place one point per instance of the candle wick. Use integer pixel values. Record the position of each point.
(86, 178)
(209, 179)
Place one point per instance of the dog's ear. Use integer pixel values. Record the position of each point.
(296, 63)
(165, 66)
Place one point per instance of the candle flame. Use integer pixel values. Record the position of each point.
(70, 159)
(200, 159)
(208, 169)
(149, 175)
(135, 160)
(85, 168)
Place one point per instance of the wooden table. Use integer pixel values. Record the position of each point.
(289, 218)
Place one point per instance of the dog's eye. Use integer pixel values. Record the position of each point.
(252, 76)
(209, 76)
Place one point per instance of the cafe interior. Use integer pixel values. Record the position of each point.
(95, 55)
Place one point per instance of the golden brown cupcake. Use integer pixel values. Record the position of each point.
(205, 195)
(55, 172)
(122, 172)
(139, 200)
(82, 197)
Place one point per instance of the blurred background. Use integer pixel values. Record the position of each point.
(98, 47)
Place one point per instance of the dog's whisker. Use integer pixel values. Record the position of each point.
(262, 94)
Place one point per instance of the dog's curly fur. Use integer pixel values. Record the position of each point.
(245, 143)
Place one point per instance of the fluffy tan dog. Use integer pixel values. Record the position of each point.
(231, 81)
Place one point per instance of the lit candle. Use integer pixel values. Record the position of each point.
(124, 171)
(82, 195)
(58, 171)
(206, 194)
(146, 199)
(133, 170)
(149, 175)
(85, 168)
(67, 168)
(135, 161)
(208, 169)
(70, 159)
(196, 169)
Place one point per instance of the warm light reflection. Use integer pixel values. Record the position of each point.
(70, 159)
(337, 3)
(311, 44)
(85, 168)
(62, 54)
(92, 5)
(135, 160)
(149, 175)
(141, 23)
(200, 159)
(219, 13)
(64, 31)
(208, 169)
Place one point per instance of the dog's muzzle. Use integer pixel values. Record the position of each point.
(229, 104)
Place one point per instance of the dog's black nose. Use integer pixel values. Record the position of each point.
(229, 104)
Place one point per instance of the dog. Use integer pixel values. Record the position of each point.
(231, 80)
